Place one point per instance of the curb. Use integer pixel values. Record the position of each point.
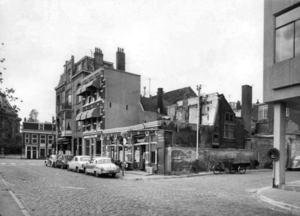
(147, 178)
(292, 209)
(19, 203)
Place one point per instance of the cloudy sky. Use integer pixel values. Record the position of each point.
(215, 43)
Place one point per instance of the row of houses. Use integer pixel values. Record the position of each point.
(96, 103)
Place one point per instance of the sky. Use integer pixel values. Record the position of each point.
(217, 44)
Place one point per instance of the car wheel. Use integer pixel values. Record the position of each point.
(45, 164)
(113, 175)
(85, 171)
(77, 170)
(68, 168)
(96, 174)
(62, 166)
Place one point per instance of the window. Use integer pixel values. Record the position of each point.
(43, 139)
(41, 127)
(228, 131)
(78, 98)
(34, 138)
(50, 139)
(95, 96)
(94, 121)
(229, 117)
(152, 156)
(262, 112)
(287, 112)
(78, 123)
(287, 33)
(26, 138)
(69, 99)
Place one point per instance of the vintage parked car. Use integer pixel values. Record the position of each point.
(50, 161)
(101, 165)
(78, 162)
(62, 161)
(294, 163)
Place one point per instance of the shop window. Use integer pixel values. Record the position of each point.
(287, 33)
(34, 138)
(43, 139)
(26, 138)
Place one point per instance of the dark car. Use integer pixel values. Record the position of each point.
(62, 161)
(50, 161)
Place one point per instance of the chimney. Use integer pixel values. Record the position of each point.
(247, 106)
(98, 58)
(120, 59)
(160, 105)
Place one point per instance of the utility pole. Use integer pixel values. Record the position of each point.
(198, 125)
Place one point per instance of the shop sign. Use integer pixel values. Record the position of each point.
(160, 139)
(140, 139)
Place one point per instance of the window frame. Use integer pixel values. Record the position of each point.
(27, 137)
(282, 26)
(50, 140)
(34, 139)
(263, 112)
(43, 140)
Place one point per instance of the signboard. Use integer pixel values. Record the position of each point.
(273, 154)
(160, 139)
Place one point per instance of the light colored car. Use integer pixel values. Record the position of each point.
(50, 161)
(78, 162)
(101, 165)
(294, 163)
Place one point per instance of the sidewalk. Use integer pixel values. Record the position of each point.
(9, 203)
(140, 175)
(287, 198)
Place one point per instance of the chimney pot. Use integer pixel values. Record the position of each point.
(120, 59)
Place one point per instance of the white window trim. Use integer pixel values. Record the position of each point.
(43, 139)
(27, 137)
(32, 139)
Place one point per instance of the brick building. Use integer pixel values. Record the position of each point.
(38, 138)
(93, 96)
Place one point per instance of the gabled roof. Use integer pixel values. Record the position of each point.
(169, 98)
(172, 97)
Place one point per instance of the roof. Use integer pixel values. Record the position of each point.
(169, 98)
(172, 97)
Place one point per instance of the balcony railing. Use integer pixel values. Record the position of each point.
(66, 106)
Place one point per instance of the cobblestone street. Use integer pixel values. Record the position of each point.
(49, 191)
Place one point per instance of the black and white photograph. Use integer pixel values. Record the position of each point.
(149, 108)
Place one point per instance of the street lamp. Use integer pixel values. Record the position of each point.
(198, 120)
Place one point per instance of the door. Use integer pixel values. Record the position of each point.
(28, 154)
(142, 157)
(33, 154)
(160, 161)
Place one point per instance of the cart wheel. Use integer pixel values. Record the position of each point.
(242, 170)
(217, 169)
(232, 170)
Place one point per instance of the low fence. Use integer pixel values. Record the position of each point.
(182, 158)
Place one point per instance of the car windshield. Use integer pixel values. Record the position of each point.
(85, 159)
(103, 161)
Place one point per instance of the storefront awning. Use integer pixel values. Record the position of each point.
(95, 112)
(83, 115)
(94, 83)
(78, 116)
(82, 90)
(62, 141)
